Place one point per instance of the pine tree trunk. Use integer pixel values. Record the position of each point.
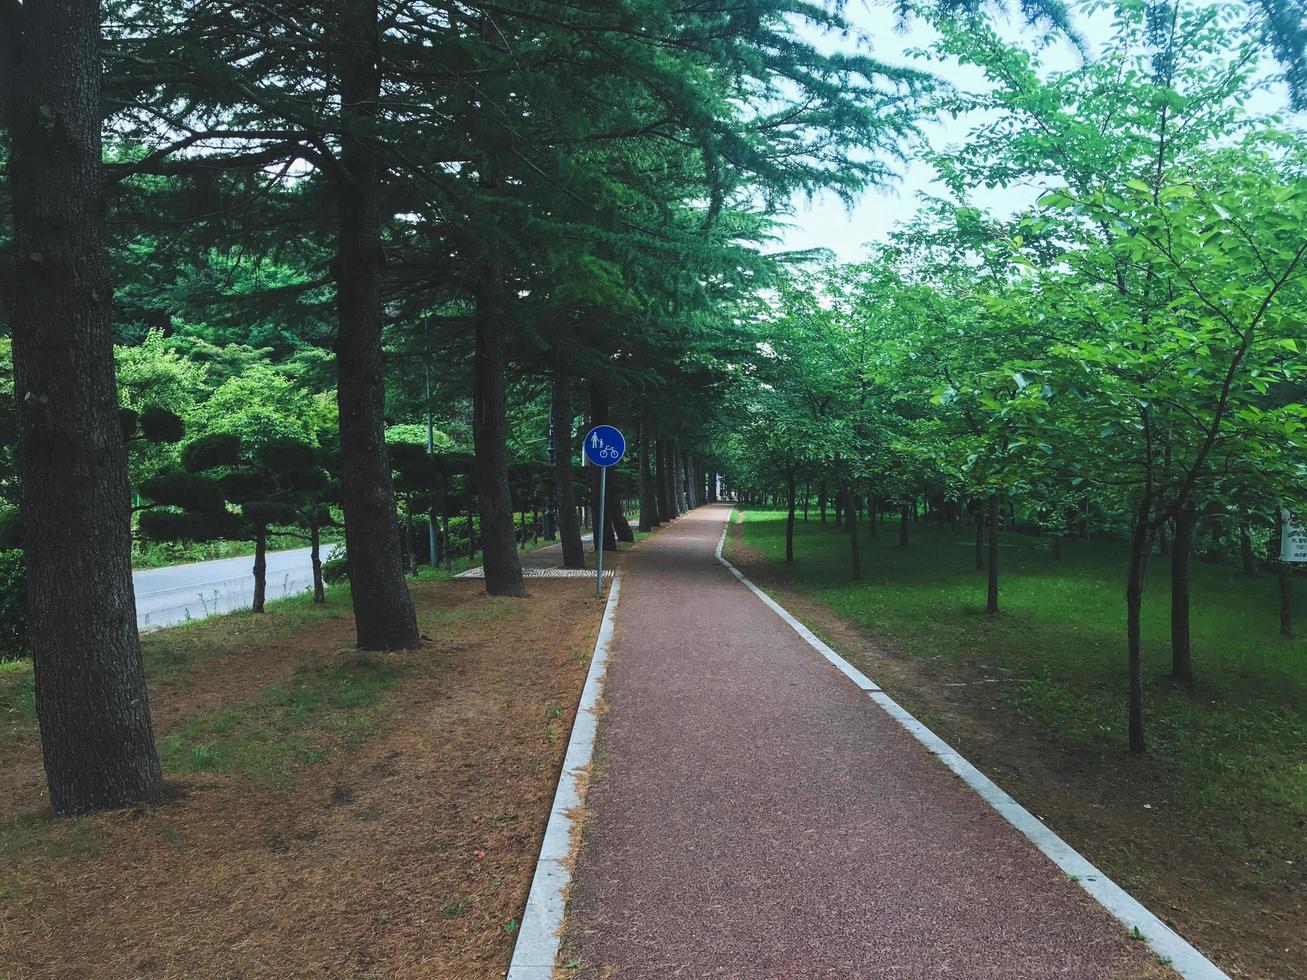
(260, 570)
(621, 526)
(648, 508)
(662, 491)
(569, 529)
(503, 567)
(991, 591)
(315, 558)
(91, 700)
(851, 519)
(1181, 658)
(903, 526)
(682, 479)
(383, 609)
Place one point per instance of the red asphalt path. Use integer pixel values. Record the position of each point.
(753, 814)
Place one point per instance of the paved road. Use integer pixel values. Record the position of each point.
(167, 596)
(754, 815)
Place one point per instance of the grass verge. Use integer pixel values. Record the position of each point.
(1210, 826)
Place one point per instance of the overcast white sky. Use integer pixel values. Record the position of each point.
(826, 223)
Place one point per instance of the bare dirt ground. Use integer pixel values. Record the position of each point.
(407, 853)
(1114, 813)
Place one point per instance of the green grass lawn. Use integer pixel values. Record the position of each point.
(1237, 740)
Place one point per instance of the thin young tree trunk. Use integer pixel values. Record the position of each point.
(873, 508)
(903, 526)
(821, 501)
(991, 591)
(1283, 582)
(260, 570)
(789, 520)
(503, 566)
(1134, 596)
(980, 538)
(91, 700)
(1181, 657)
(840, 507)
(569, 529)
(384, 617)
(315, 556)
(807, 496)
(851, 519)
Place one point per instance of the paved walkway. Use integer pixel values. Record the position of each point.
(754, 815)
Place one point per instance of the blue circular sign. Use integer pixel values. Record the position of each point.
(604, 446)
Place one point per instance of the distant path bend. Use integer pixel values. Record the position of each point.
(753, 814)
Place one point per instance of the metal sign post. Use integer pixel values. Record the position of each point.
(604, 446)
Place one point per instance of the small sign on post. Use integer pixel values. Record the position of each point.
(604, 446)
(1293, 538)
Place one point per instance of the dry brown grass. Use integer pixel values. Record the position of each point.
(405, 853)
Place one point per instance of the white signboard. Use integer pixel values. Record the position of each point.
(1293, 542)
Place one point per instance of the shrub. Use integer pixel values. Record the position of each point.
(15, 639)
(336, 567)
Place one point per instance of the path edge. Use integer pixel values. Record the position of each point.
(539, 935)
(1172, 948)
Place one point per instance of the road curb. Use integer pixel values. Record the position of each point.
(1169, 945)
(538, 936)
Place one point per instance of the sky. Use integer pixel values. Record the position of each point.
(827, 223)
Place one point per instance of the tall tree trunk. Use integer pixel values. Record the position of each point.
(606, 534)
(648, 509)
(840, 507)
(1134, 598)
(903, 525)
(569, 529)
(821, 501)
(1181, 659)
(789, 520)
(503, 566)
(684, 473)
(660, 480)
(91, 700)
(260, 570)
(617, 507)
(383, 609)
(678, 470)
(991, 590)
(851, 519)
(315, 555)
(807, 496)
(1246, 549)
(873, 508)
